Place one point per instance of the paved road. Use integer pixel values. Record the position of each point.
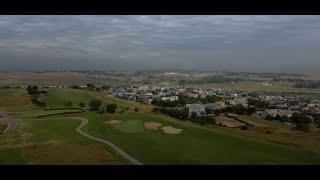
(84, 122)
(12, 123)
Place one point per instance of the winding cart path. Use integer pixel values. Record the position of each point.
(84, 122)
(11, 123)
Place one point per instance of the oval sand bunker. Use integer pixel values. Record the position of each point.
(152, 126)
(113, 121)
(171, 130)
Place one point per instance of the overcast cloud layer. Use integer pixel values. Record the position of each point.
(222, 43)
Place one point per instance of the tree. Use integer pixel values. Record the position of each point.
(301, 121)
(316, 120)
(82, 105)
(269, 117)
(205, 120)
(244, 127)
(38, 102)
(193, 115)
(105, 87)
(33, 90)
(111, 108)
(90, 86)
(236, 109)
(251, 110)
(257, 103)
(95, 105)
(217, 112)
(155, 109)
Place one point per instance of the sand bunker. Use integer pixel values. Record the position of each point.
(152, 126)
(113, 121)
(171, 130)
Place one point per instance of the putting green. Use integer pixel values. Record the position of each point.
(131, 126)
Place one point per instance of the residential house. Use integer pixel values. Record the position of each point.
(315, 103)
(239, 100)
(199, 109)
(170, 98)
(280, 112)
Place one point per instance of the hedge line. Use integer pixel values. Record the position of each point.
(60, 113)
(63, 109)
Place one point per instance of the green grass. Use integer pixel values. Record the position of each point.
(130, 126)
(195, 145)
(67, 147)
(11, 156)
(55, 129)
(5, 92)
(56, 98)
(2, 127)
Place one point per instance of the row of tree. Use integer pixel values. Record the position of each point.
(35, 92)
(183, 114)
(183, 100)
(235, 109)
(95, 105)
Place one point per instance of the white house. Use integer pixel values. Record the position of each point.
(199, 109)
(314, 103)
(170, 98)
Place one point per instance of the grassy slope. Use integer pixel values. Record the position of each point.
(58, 143)
(194, 145)
(56, 98)
(4, 92)
(284, 134)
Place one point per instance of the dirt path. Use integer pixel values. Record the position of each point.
(12, 124)
(84, 122)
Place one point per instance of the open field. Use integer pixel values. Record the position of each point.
(279, 133)
(16, 99)
(4, 92)
(54, 141)
(42, 140)
(45, 78)
(56, 98)
(250, 87)
(69, 153)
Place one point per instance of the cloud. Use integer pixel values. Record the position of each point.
(234, 42)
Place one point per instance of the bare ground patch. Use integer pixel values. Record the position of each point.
(228, 122)
(171, 130)
(113, 122)
(152, 125)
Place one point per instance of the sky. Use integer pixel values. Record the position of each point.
(211, 43)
